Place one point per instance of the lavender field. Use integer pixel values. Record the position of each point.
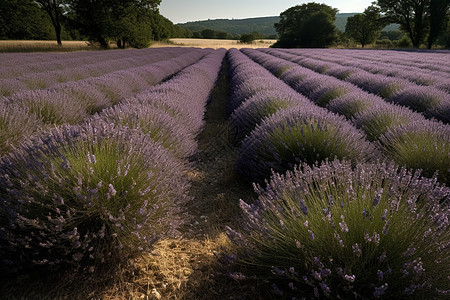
(181, 173)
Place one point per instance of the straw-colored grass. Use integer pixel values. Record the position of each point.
(213, 43)
(69, 46)
(44, 46)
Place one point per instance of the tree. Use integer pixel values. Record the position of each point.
(418, 17)
(366, 27)
(247, 38)
(162, 28)
(410, 14)
(22, 19)
(134, 29)
(439, 10)
(54, 9)
(307, 25)
(102, 20)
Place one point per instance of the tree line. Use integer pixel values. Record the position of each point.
(131, 23)
(425, 22)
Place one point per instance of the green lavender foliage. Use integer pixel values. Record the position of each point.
(299, 135)
(339, 232)
(420, 145)
(15, 124)
(86, 196)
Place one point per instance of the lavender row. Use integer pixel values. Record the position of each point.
(29, 78)
(70, 103)
(171, 112)
(425, 61)
(46, 79)
(288, 129)
(316, 230)
(108, 189)
(433, 102)
(395, 129)
(330, 60)
(14, 64)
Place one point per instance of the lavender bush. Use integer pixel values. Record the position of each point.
(86, 196)
(328, 90)
(261, 105)
(300, 135)
(88, 95)
(382, 117)
(420, 145)
(380, 85)
(15, 124)
(10, 86)
(424, 99)
(51, 106)
(354, 102)
(374, 231)
(156, 123)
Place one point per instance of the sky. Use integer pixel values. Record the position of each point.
(181, 11)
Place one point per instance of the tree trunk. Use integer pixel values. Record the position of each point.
(58, 35)
(418, 25)
(103, 42)
(438, 12)
(52, 9)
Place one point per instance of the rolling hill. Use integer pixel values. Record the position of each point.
(263, 25)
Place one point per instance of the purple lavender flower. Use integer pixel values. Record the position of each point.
(420, 145)
(424, 99)
(304, 245)
(53, 172)
(299, 135)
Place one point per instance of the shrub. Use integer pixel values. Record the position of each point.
(329, 90)
(300, 135)
(381, 85)
(261, 105)
(156, 123)
(112, 87)
(41, 80)
(341, 72)
(247, 38)
(404, 42)
(250, 86)
(15, 124)
(424, 99)
(51, 106)
(342, 233)
(420, 145)
(86, 196)
(380, 118)
(89, 96)
(353, 102)
(11, 86)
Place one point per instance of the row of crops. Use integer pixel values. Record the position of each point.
(108, 182)
(335, 216)
(349, 152)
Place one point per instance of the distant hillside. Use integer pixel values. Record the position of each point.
(263, 25)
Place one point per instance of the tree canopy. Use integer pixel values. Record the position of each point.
(307, 25)
(366, 27)
(22, 19)
(128, 22)
(418, 18)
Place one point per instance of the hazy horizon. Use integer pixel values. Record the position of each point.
(182, 11)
